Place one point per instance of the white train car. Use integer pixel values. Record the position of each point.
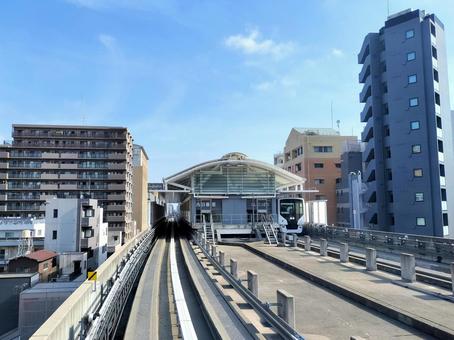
(291, 215)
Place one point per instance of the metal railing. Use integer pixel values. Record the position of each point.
(424, 245)
(95, 307)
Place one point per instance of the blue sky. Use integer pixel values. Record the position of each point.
(191, 79)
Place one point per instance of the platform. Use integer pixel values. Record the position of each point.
(376, 288)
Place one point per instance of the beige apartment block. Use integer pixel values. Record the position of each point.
(65, 161)
(140, 187)
(315, 155)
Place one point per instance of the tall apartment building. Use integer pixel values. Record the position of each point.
(140, 187)
(47, 161)
(408, 157)
(315, 155)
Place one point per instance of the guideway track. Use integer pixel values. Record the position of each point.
(176, 298)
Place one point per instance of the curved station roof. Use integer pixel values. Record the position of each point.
(233, 173)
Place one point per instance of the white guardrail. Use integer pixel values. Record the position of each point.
(66, 321)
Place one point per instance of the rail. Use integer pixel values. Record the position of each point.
(439, 247)
(281, 327)
(71, 319)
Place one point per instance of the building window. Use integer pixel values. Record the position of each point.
(409, 34)
(439, 125)
(386, 130)
(55, 213)
(319, 181)
(412, 79)
(388, 152)
(440, 146)
(444, 197)
(411, 56)
(338, 180)
(413, 102)
(434, 53)
(420, 221)
(54, 234)
(299, 151)
(445, 219)
(442, 170)
(414, 125)
(385, 109)
(432, 30)
(416, 148)
(419, 197)
(391, 219)
(389, 174)
(436, 76)
(437, 98)
(323, 149)
(320, 197)
(390, 197)
(417, 172)
(337, 165)
(319, 165)
(298, 167)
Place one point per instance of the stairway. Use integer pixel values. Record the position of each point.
(268, 228)
(209, 231)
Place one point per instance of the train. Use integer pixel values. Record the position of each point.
(291, 215)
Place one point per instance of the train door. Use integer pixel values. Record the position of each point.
(205, 210)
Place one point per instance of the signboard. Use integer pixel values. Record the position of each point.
(92, 276)
(155, 186)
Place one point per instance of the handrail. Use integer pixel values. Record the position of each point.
(281, 327)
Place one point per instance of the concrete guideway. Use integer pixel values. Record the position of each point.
(377, 290)
(320, 313)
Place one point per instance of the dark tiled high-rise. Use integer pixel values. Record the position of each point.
(47, 161)
(408, 156)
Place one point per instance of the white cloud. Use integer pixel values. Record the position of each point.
(107, 41)
(264, 86)
(337, 52)
(252, 43)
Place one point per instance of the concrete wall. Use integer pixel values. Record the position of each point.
(140, 187)
(66, 224)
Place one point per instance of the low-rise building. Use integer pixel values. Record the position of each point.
(18, 237)
(43, 262)
(76, 225)
(11, 285)
(72, 266)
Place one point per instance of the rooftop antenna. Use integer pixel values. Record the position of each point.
(332, 119)
(388, 6)
(338, 125)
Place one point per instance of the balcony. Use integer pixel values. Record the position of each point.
(115, 197)
(49, 176)
(119, 187)
(3, 197)
(365, 51)
(68, 186)
(116, 166)
(3, 186)
(116, 219)
(49, 187)
(69, 155)
(368, 131)
(116, 207)
(117, 176)
(119, 156)
(68, 176)
(3, 175)
(46, 165)
(45, 197)
(366, 92)
(71, 166)
(3, 165)
(4, 154)
(50, 155)
(367, 111)
(369, 152)
(365, 71)
(370, 166)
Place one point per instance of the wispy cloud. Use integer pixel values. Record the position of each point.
(336, 52)
(253, 43)
(107, 41)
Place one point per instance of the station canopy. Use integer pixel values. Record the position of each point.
(234, 174)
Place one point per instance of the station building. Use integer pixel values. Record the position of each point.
(232, 193)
